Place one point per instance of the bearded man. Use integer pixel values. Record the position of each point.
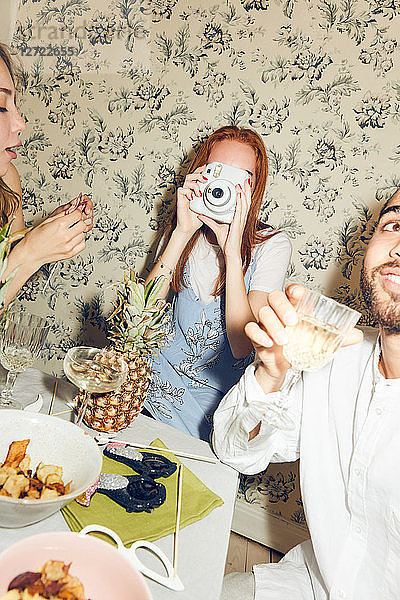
(347, 435)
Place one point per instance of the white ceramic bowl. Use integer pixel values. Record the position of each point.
(52, 441)
(105, 574)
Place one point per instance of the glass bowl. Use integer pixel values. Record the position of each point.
(89, 370)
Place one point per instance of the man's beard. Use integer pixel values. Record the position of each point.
(385, 312)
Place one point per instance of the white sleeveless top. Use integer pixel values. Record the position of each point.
(273, 256)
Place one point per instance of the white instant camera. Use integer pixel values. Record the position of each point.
(218, 194)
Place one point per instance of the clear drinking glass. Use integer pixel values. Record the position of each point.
(84, 369)
(21, 341)
(322, 326)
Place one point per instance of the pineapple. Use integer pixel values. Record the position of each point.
(137, 331)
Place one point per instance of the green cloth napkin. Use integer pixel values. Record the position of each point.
(197, 501)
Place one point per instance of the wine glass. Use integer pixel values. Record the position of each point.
(21, 341)
(320, 330)
(87, 368)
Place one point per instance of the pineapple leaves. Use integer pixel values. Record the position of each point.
(152, 289)
(4, 233)
(138, 322)
(5, 244)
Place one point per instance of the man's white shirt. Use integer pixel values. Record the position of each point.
(347, 433)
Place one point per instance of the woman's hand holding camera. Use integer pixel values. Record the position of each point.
(229, 236)
(188, 222)
(233, 243)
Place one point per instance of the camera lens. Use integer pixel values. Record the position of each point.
(217, 192)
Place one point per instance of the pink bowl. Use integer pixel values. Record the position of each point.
(103, 571)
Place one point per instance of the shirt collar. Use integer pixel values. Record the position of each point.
(378, 377)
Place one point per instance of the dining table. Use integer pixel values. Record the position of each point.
(203, 545)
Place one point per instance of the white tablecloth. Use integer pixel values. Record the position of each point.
(202, 545)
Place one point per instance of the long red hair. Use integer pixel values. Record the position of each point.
(252, 234)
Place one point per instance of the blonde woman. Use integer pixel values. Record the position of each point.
(62, 234)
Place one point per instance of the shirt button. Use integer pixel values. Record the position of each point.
(357, 471)
(358, 529)
(378, 411)
(341, 594)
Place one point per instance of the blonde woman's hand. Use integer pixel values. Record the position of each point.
(58, 237)
(83, 203)
(187, 221)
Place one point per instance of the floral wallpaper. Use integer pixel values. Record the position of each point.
(117, 93)
(277, 491)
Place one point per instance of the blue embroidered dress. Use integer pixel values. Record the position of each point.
(196, 366)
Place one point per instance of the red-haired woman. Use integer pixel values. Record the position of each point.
(221, 274)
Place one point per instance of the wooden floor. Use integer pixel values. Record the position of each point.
(244, 553)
